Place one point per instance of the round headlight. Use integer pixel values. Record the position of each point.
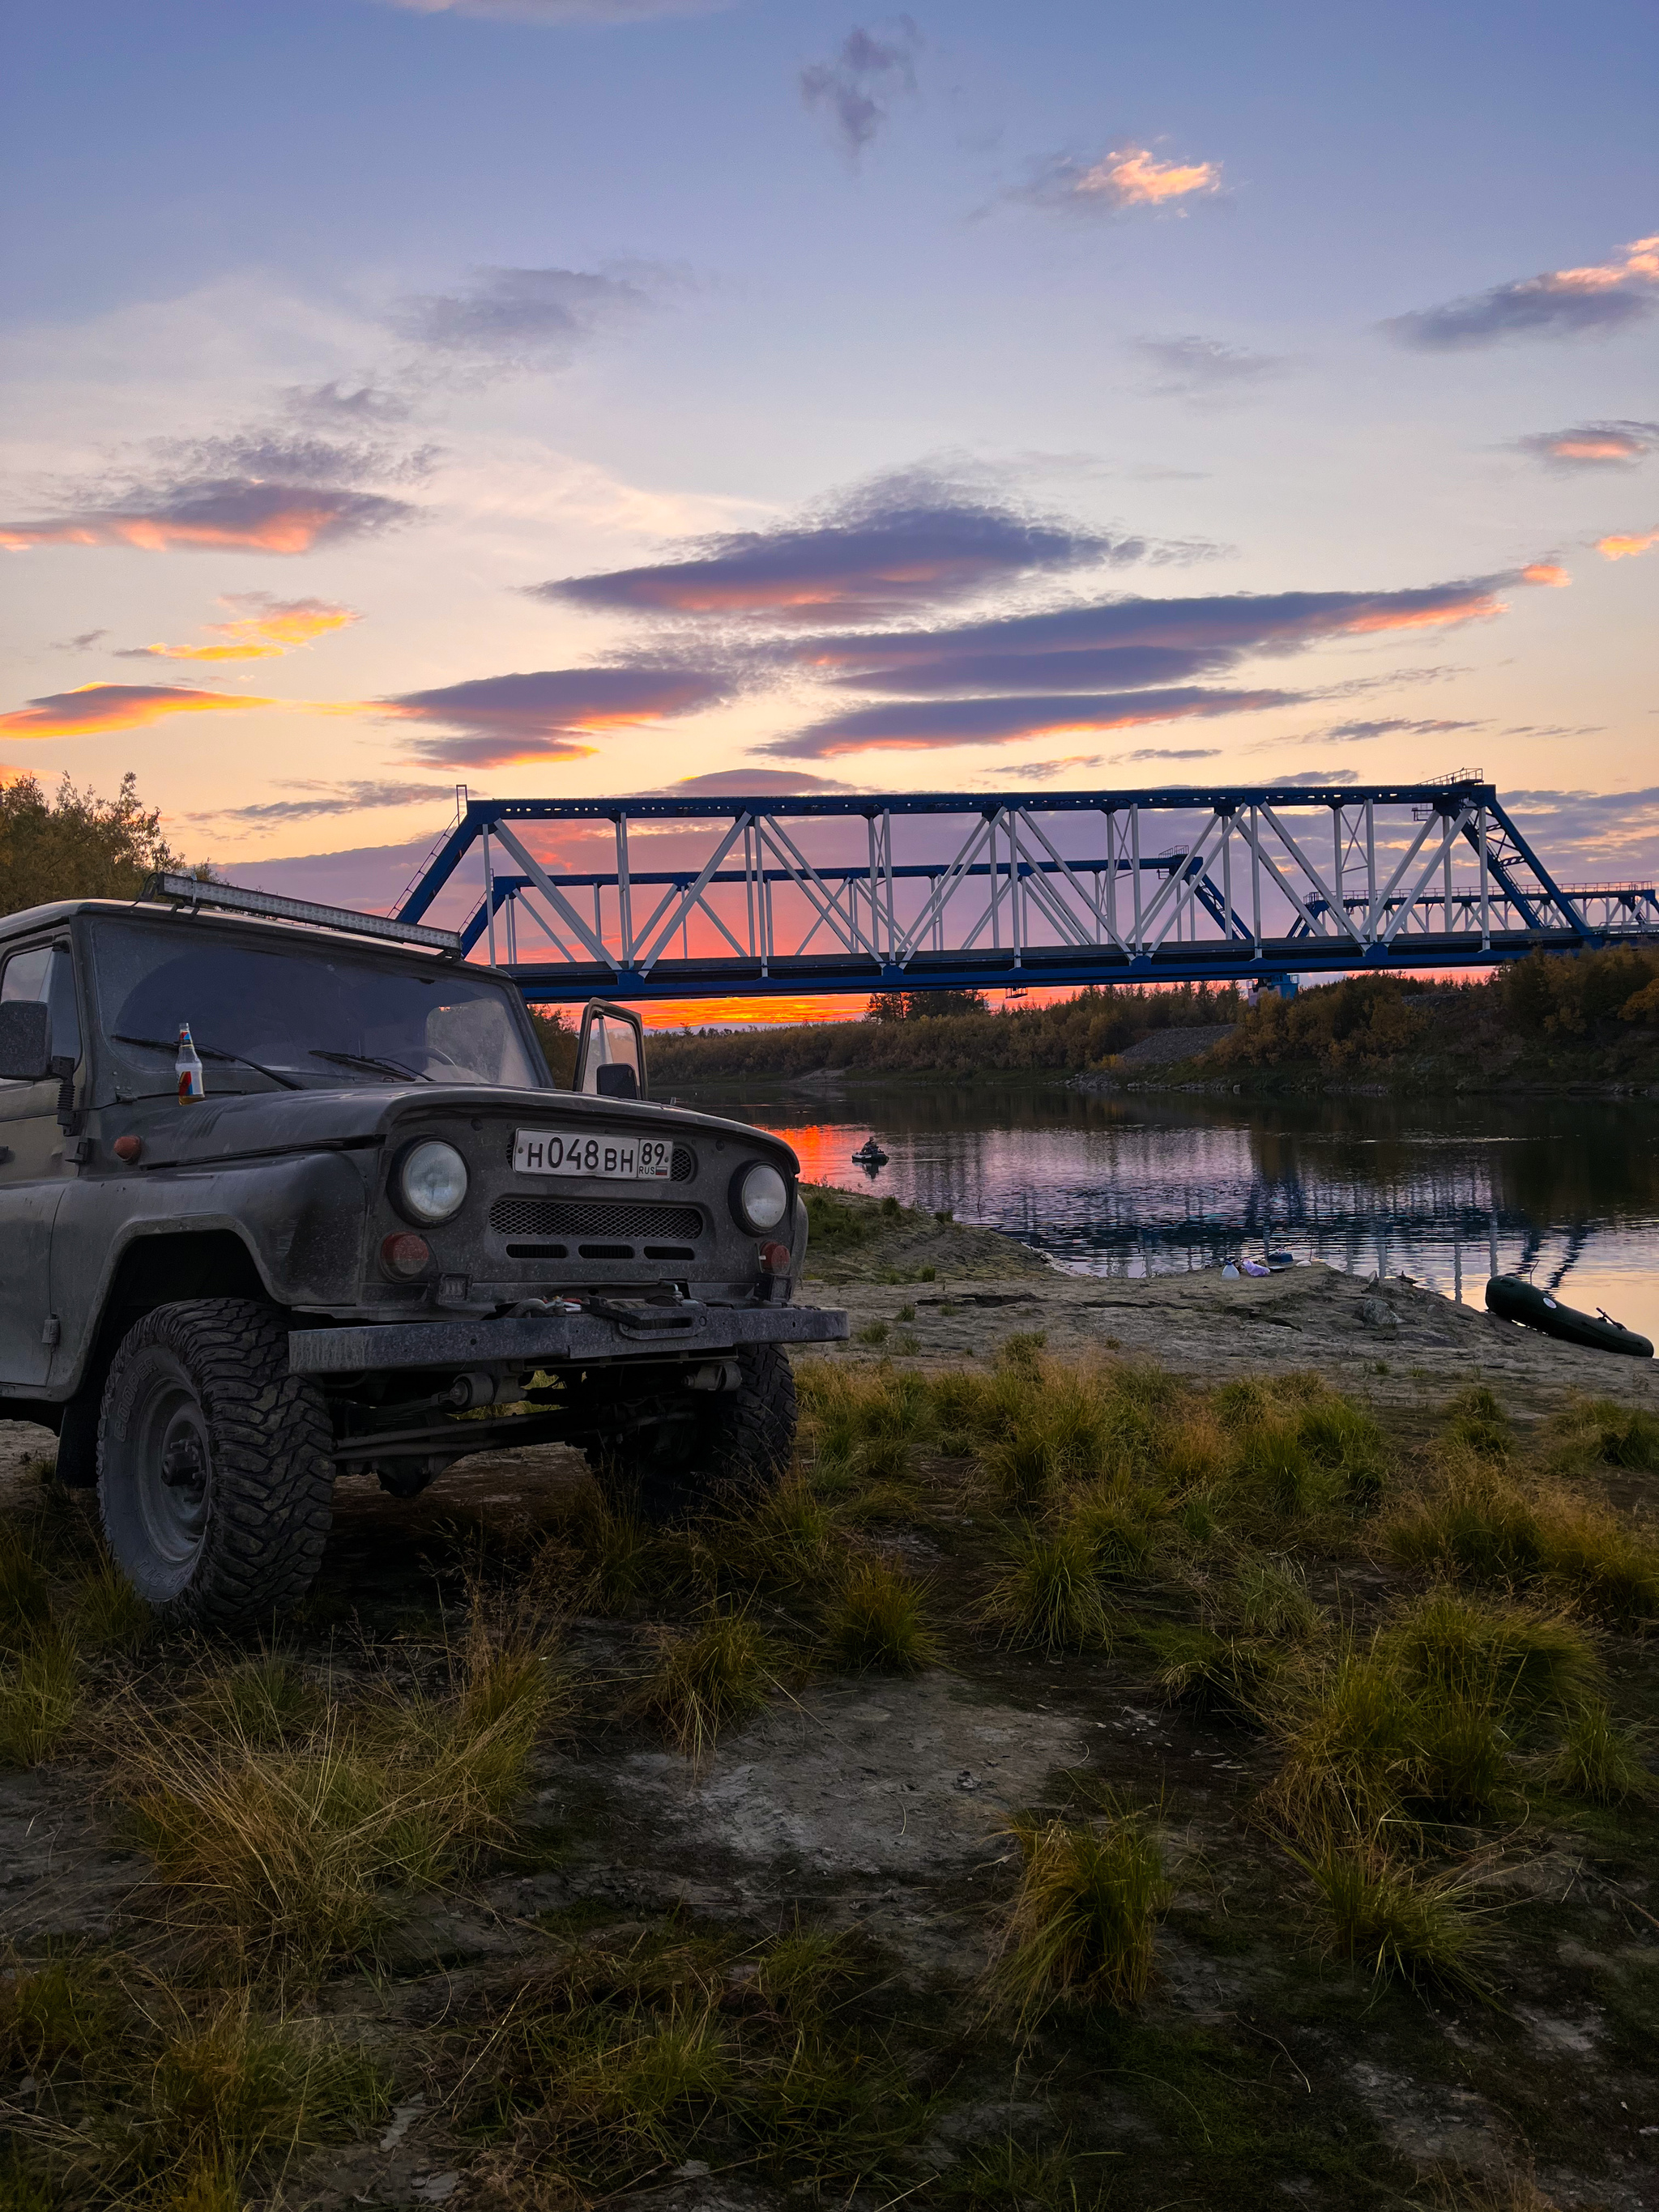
(760, 1197)
(431, 1181)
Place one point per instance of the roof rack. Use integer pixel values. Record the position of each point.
(186, 891)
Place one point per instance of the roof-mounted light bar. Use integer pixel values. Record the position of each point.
(185, 891)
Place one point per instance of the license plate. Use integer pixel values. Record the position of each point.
(619, 1159)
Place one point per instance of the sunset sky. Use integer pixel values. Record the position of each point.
(564, 398)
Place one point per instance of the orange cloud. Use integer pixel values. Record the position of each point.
(1134, 178)
(233, 516)
(1476, 607)
(1545, 572)
(92, 710)
(273, 627)
(1621, 548)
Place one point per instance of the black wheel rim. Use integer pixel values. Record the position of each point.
(173, 1468)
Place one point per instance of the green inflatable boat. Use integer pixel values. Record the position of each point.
(1511, 1299)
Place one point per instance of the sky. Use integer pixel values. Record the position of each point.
(578, 397)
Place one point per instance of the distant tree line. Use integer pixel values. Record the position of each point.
(1075, 1033)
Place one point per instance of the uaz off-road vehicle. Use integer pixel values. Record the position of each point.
(382, 1218)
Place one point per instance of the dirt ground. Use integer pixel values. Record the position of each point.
(1257, 2074)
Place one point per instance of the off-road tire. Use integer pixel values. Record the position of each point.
(212, 1376)
(706, 1453)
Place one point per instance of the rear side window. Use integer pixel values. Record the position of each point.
(45, 974)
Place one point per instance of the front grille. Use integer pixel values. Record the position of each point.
(592, 1217)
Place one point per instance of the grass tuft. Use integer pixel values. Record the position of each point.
(1049, 1599)
(40, 1694)
(723, 1671)
(877, 1620)
(1599, 1762)
(1082, 1928)
(1399, 1924)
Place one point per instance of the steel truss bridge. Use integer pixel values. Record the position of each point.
(686, 898)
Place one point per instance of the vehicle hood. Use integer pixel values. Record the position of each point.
(265, 1123)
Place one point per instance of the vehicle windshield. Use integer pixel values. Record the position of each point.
(305, 1011)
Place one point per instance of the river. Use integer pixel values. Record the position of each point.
(1566, 1189)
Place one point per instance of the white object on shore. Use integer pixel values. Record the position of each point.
(1230, 1272)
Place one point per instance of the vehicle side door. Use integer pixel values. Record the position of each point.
(33, 1175)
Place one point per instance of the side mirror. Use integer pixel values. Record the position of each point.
(25, 1040)
(611, 1053)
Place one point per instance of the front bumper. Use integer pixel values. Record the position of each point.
(557, 1340)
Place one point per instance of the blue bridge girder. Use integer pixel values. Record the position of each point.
(855, 893)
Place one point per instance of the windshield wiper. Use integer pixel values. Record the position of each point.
(364, 1060)
(210, 1052)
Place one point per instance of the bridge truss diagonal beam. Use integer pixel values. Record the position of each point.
(685, 898)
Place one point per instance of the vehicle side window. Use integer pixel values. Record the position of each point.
(45, 973)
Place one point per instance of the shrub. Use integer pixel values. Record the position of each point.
(1481, 1525)
(1048, 1599)
(877, 1620)
(1231, 1675)
(1277, 1468)
(1082, 1928)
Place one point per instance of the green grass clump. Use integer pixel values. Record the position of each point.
(1113, 1523)
(1271, 1598)
(873, 1332)
(1615, 1435)
(1233, 1676)
(1506, 1655)
(1476, 1422)
(633, 2054)
(721, 1672)
(1082, 1928)
(1049, 1599)
(1598, 1761)
(1480, 1524)
(109, 1618)
(278, 1848)
(41, 1693)
(877, 1620)
(192, 2101)
(1346, 1441)
(1399, 1924)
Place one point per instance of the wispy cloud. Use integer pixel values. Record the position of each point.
(1127, 177)
(1621, 546)
(1392, 725)
(83, 642)
(1600, 836)
(753, 782)
(546, 715)
(1133, 641)
(508, 319)
(908, 727)
(903, 542)
(267, 629)
(224, 518)
(1196, 368)
(1561, 303)
(855, 89)
(1593, 444)
(94, 709)
(326, 799)
(259, 490)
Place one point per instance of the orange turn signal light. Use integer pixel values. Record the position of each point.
(128, 1149)
(406, 1255)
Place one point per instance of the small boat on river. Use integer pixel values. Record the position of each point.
(869, 1155)
(1512, 1299)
